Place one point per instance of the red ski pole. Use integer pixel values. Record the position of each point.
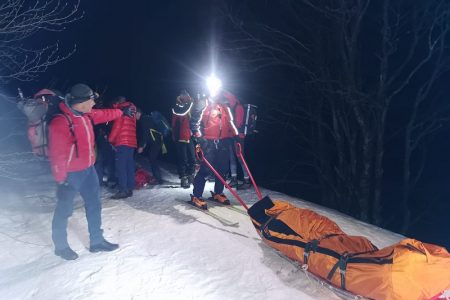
(239, 154)
(201, 157)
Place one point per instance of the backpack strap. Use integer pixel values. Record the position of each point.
(72, 131)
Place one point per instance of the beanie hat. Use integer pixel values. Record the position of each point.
(80, 93)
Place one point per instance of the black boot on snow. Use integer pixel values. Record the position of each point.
(66, 253)
(103, 246)
(233, 181)
(185, 184)
(245, 185)
(120, 195)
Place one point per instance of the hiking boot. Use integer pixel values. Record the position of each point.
(191, 179)
(233, 181)
(245, 185)
(198, 202)
(130, 193)
(103, 246)
(66, 253)
(221, 198)
(121, 195)
(185, 182)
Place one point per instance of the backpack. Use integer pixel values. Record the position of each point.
(39, 112)
(161, 123)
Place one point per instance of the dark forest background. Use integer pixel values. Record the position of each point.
(352, 95)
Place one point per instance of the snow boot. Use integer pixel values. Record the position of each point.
(233, 181)
(221, 198)
(245, 185)
(66, 253)
(130, 193)
(198, 202)
(103, 246)
(185, 184)
(191, 179)
(120, 195)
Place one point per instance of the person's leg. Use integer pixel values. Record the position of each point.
(181, 158)
(202, 175)
(131, 169)
(64, 209)
(155, 149)
(190, 156)
(233, 163)
(121, 173)
(221, 163)
(89, 191)
(244, 171)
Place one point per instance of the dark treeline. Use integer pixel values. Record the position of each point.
(355, 105)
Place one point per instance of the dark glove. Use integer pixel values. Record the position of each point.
(201, 141)
(129, 111)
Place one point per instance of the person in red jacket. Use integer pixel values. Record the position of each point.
(213, 127)
(123, 138)
(72, 158)
(181, 135)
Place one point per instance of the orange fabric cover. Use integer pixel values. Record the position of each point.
(409, 269)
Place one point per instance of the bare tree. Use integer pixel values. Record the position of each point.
(356, 61)
(21, 24)
(20, 20)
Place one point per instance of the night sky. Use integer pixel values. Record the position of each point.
(148, 50)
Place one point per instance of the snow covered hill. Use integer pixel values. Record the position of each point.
(168, 250)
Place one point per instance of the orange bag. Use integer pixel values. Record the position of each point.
(407, 270)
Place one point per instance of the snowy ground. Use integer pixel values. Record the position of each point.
(168, 250)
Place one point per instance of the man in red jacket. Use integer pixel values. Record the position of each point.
(123, 138)
(72, 158)
(181, 135)
(213, 127)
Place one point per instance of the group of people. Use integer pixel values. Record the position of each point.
(80, 145)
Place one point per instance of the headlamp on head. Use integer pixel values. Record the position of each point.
(214, 85)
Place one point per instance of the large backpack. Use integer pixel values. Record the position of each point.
(161, 123)
(40, 111)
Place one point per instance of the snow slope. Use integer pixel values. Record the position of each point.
(168, 250)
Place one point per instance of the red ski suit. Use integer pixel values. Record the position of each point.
(73, 150)
(123, 132)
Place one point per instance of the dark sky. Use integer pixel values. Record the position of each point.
(145, 50)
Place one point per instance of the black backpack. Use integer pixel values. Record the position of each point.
(161, 123)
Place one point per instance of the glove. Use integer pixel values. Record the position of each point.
(129, 111)
(201, 141)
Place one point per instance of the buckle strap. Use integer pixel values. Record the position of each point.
(342, 265)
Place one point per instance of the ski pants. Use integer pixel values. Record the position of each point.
(105, 160)
(234, 159)
(86, 183)
(125, 168)
(154, 149)
(186, 158)
(217, 152)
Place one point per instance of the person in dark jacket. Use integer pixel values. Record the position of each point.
(123, 138)
(238, 116)
(152, 141)
(72, 158)
(181, 135)
(213, 127)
